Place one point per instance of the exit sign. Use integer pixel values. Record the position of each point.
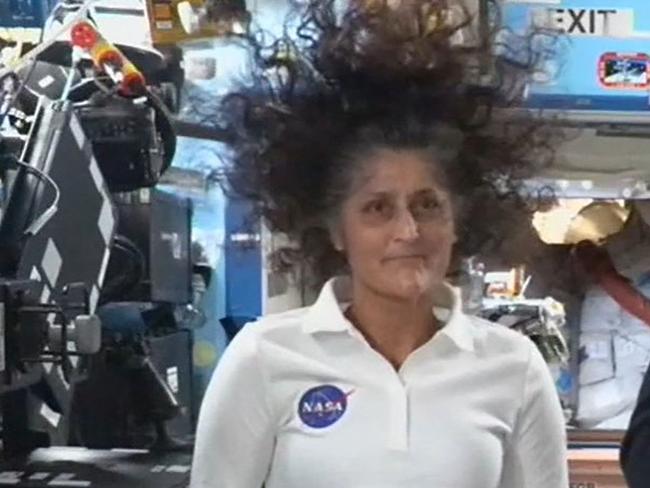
(595, 22)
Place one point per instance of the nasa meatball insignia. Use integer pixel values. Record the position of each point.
(323, 406)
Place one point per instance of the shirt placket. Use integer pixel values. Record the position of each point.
(398, 428)
(398, 401)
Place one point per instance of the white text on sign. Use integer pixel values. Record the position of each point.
(596, 22)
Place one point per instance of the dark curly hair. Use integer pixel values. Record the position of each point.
(382, 73)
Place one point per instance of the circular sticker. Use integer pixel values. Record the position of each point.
(322, 406)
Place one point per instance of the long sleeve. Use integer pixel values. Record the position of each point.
(235, 433)
(537, 454)
(635, 451)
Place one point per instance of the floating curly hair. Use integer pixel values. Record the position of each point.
(385, 73)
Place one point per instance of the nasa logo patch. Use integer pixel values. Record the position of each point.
(323, 406)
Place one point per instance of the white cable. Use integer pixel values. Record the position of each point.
(522, 293)
(76, 56)
(45, 217)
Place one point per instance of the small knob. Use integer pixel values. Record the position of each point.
(88, 334)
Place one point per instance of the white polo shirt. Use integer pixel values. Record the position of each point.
(300, 400)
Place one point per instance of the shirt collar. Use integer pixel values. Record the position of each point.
(327, 313)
